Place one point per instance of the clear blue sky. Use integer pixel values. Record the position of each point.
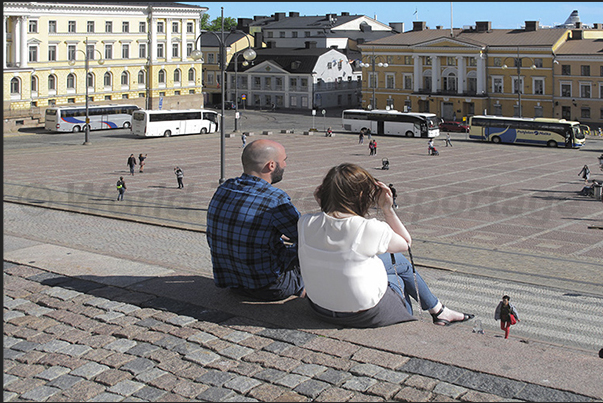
(501, 14)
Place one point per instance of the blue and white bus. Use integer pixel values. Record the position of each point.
(73, 118)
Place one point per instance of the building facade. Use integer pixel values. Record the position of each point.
(136, 53)
(462, 72)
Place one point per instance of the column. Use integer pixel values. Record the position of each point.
(23, 43)
(435, 73)
(153, 43)
(183, 40)
(4, 55)
(417, 76)
(168, 44)
(462, 74)
(481, 75)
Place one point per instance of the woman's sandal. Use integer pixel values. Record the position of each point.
(444, 322)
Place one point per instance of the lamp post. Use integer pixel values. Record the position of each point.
(248, 54)
(518, 62)
(373, 61)
(101, 61)
(198, 55)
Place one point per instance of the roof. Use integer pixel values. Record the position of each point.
(286, 58)
(491, 38)
(128, 3)
(209, 40)
(312, 21)
(581, 47)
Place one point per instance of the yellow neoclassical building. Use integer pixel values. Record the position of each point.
(137, 53)
(528, 72)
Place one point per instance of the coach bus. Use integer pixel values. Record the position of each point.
(73, 118)
(155, 123)
(538, 131)
(392, 122)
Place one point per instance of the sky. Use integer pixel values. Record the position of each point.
(503, 15)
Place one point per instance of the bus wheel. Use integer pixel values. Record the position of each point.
(496, 140)
(409, 134)
(203, 130)
(551, 143)
(167, 133)
(76, 129)
(126, 125)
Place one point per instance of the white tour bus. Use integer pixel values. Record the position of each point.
(73, 118)
(392, 122)
(154, 123)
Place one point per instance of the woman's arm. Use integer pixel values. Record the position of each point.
(401, 240)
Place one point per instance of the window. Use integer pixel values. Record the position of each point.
(390, 82)
(270, 34)
(210, 78)
(107, 79)
(329, 65)
(142, 27)
(497, 85)
(52, 27)
(538, 86)
(177, 75)
(601, 90)
(372, 80)
(584, 90)
(142, 50)
(538, 112)
(191, 74)
(293, 83)
(125, 51)
(408, 60)
(497, 110)
(517, 85)
(585, 113)
(125, 96)
(125, 78)
(33, 26)
(90, 52)
(15, 86)
(34, 84)
(451, 61)
(585, 70)
(161, 76)
(109, 51)
(125, 27)
(71, 27)
(294, 34)
(33, 53)
(498, 62)
(174, 27)
(538, 62)
(108, 26)
(141, 77)
(160, 50)
(175, 49)
(426, 61)
(90, 80)
(210, 58)
(281, 34)
(472, 61)
(189, 27)
(449, 82)
(566, 90)
(90, 27)
(566, 70)
(189, 49)
(307, 34)
(52, 53)
(407, 82)
(160, 27)
(52, 82)
(71, 52)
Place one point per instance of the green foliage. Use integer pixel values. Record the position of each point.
(216, 24)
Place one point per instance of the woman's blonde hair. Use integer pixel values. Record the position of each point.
(348, 188)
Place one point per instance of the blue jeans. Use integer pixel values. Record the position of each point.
(407, 281)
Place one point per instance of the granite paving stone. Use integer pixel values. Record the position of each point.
(62, 293)
(89, 370)
(391, 376)
(138, 365)
(76, 350)
(83, 391)
(291, 380)
(385, 390)
(53, 373)
(165, 382)
(215, 394)
(369, 370)
(107, 397)
(121, 345)
(65, 381)
(40, 393)
(311, 388)
(334, 376)
(126, 387)
(181, 320)
(359, 383)
(150, 375)
(112, 377)
(242, 384)
(447, 389)
(215, 378)
(188, 388)
(149, 393)
(202, 357)
(236, 352)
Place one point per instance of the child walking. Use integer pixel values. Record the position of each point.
(507, 314)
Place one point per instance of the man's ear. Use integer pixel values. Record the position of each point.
(270, 166)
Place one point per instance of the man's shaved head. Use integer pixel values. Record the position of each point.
(258, 153)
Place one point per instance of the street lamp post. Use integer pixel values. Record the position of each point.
(198, 55)
(248, 54)
(518, 62)
(101, 61)
(373, 58)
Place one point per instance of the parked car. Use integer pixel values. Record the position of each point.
(454, 127)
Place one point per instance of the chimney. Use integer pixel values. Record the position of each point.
(258, 38)
(439, 27)
(259, 17)
(483, 26)
(310, 44)
(293, 14)
(597, 25)
(243, 24)
(418, 25)
(397, 26)
(345, 14)
(578, 24)
(577, 34)
(279, 16)
(532, 26)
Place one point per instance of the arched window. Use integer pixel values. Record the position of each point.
(15, 86)
(90, 81)
(161, 76)
(125, 78)
(191, 74)
(52, 82)
(34, 83)
(107, 79)
(177, 75)
(449, 82)
(71, 81)
(141, 77)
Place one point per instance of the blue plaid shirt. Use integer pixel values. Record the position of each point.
(245, 220)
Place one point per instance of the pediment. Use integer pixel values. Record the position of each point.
(447, 43)
(267, 67)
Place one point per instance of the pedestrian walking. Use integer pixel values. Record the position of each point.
(507, 314)
(371, 148)
(179, 177)
(243, 140)
(447, 140)
(361, 137)
(369, 134)
(131, 163)
(430, 147)
(121, 188)
(585, 173)
(374, 147)
(141, 159)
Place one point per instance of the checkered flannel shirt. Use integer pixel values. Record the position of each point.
(245, 220)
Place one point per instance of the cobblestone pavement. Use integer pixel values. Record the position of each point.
(67, 339)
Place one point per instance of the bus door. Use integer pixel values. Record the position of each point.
(103, 122)
(423, 128)
(380, 127)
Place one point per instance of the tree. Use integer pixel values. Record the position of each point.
(216, 24)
